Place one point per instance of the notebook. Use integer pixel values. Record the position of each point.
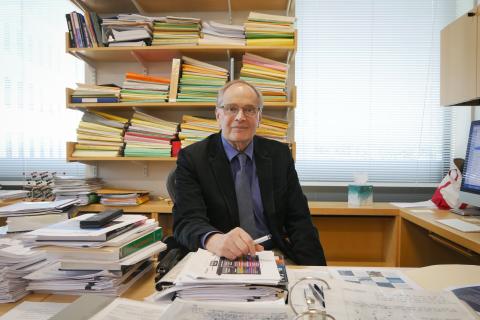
(460, 225)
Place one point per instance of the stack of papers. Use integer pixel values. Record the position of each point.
(194, 129)
(176, 31)
(16, 261)
(214, 33)
(36, 208)
(12, 194)
(102, 260)
(269, 30)
(141, 88)
(267, 75)
(127, 30)
(69, 187)
(149, 136)
(100, 134)
(209, 277)
(123, 197)
(52, 279)
(200, 81)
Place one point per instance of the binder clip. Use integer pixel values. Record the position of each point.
(310, 313)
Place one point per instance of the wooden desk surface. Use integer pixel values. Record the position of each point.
(436, 277)
(427, 220)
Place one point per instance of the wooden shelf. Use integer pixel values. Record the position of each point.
(166, 53)
(150, 7)
(71, 148)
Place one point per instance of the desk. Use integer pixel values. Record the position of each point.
(380, 235)
(435, 277)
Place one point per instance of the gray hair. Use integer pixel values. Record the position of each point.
(227, 85)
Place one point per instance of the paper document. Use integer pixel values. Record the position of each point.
(205, 267)
(350, 301)
(127, 309)
(420, 204)
(34, 311)
(189, 310)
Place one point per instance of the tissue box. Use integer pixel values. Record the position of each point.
(360, 195)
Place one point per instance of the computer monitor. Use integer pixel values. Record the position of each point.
(470, 188)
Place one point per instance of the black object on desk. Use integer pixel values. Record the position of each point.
(101, 219)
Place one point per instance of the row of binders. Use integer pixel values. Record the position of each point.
(89, 30)
(190, 80)
(101, 134)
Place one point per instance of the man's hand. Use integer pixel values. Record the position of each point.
(233, 244)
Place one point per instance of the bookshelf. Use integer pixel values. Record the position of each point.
(109, 64)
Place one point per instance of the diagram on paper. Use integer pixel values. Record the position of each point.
(244, 265)
(374, 277)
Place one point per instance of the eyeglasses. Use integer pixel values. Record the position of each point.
(233, 110)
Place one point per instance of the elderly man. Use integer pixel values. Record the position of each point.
(234, 187)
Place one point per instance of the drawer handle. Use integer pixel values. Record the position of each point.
(471, 14)
(451, 245)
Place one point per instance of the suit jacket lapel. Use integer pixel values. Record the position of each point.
(222, 171)
(263, 162)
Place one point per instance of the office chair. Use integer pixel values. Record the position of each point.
(171, 184)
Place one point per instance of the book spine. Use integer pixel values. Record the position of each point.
(174, 78)
(96, 21)
(70, 31)
(78, 30)
(94, 100)
(141, 243)
(85, 31)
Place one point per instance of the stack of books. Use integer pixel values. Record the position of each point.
(176, 31)
(100, 134)
(214, 33)
(122, 197)
(127, 30)
(71, 187)
(267, 75)
(273, 128)
(269, 30)
(17, 261)
(200, 81)
(149, 136)
(105, 260)
(89, 93)
(193, 129)
(142, 88)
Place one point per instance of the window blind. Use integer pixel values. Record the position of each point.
(35, 123)
(368, 78)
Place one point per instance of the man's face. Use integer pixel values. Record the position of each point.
(238, 129)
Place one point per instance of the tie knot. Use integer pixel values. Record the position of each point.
(242, 158)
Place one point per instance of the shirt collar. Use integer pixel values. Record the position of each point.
(232, 152)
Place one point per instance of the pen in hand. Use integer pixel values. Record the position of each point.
(262, 239)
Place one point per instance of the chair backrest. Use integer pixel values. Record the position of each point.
(171, 184)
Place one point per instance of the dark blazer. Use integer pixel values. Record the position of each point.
(205, 198)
